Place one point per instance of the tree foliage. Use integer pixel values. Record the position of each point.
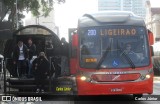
(35, 6)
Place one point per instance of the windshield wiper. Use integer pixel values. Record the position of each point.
(127, 57)
(103, 56)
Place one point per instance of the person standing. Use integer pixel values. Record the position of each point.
(20, 57)
(31, 52)
(65, 57)
(65, 47)
(40, 68)
(31, 48)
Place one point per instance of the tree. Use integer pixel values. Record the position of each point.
(12, 9)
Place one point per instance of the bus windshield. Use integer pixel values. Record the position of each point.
(113, 47)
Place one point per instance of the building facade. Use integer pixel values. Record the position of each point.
(136, 6)
(153, 20)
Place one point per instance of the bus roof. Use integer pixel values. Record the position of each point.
(110, 18)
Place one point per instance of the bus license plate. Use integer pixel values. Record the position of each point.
(116, 90)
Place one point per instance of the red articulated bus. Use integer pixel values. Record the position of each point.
(100, 61)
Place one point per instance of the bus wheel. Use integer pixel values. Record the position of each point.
(137, 95)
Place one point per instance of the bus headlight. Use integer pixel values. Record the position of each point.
(83, 78)
(148, 76)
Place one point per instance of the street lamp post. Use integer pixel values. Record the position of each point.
(16, 16)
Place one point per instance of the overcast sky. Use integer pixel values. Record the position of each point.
(155, 3)
(66, 15)
(73, 9)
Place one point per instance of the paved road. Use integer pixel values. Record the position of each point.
(116, 102)
(44, 102)
(126, 99)
(156, 86)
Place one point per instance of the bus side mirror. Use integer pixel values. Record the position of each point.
(75, 39)
(150, 37)
(74, 52)
(74, 45)
(152, 52)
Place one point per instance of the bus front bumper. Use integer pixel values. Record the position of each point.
(140, 87)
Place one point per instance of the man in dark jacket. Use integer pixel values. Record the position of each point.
(20, 57)
(31, 48)
(31, 52)
(65, 57)
(40, 68)
(65, 47)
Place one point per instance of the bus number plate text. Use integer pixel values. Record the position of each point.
(116, 90)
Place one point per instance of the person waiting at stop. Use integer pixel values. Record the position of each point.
(65, 57)
(40, 67)
(31, 52)
(20, 57)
